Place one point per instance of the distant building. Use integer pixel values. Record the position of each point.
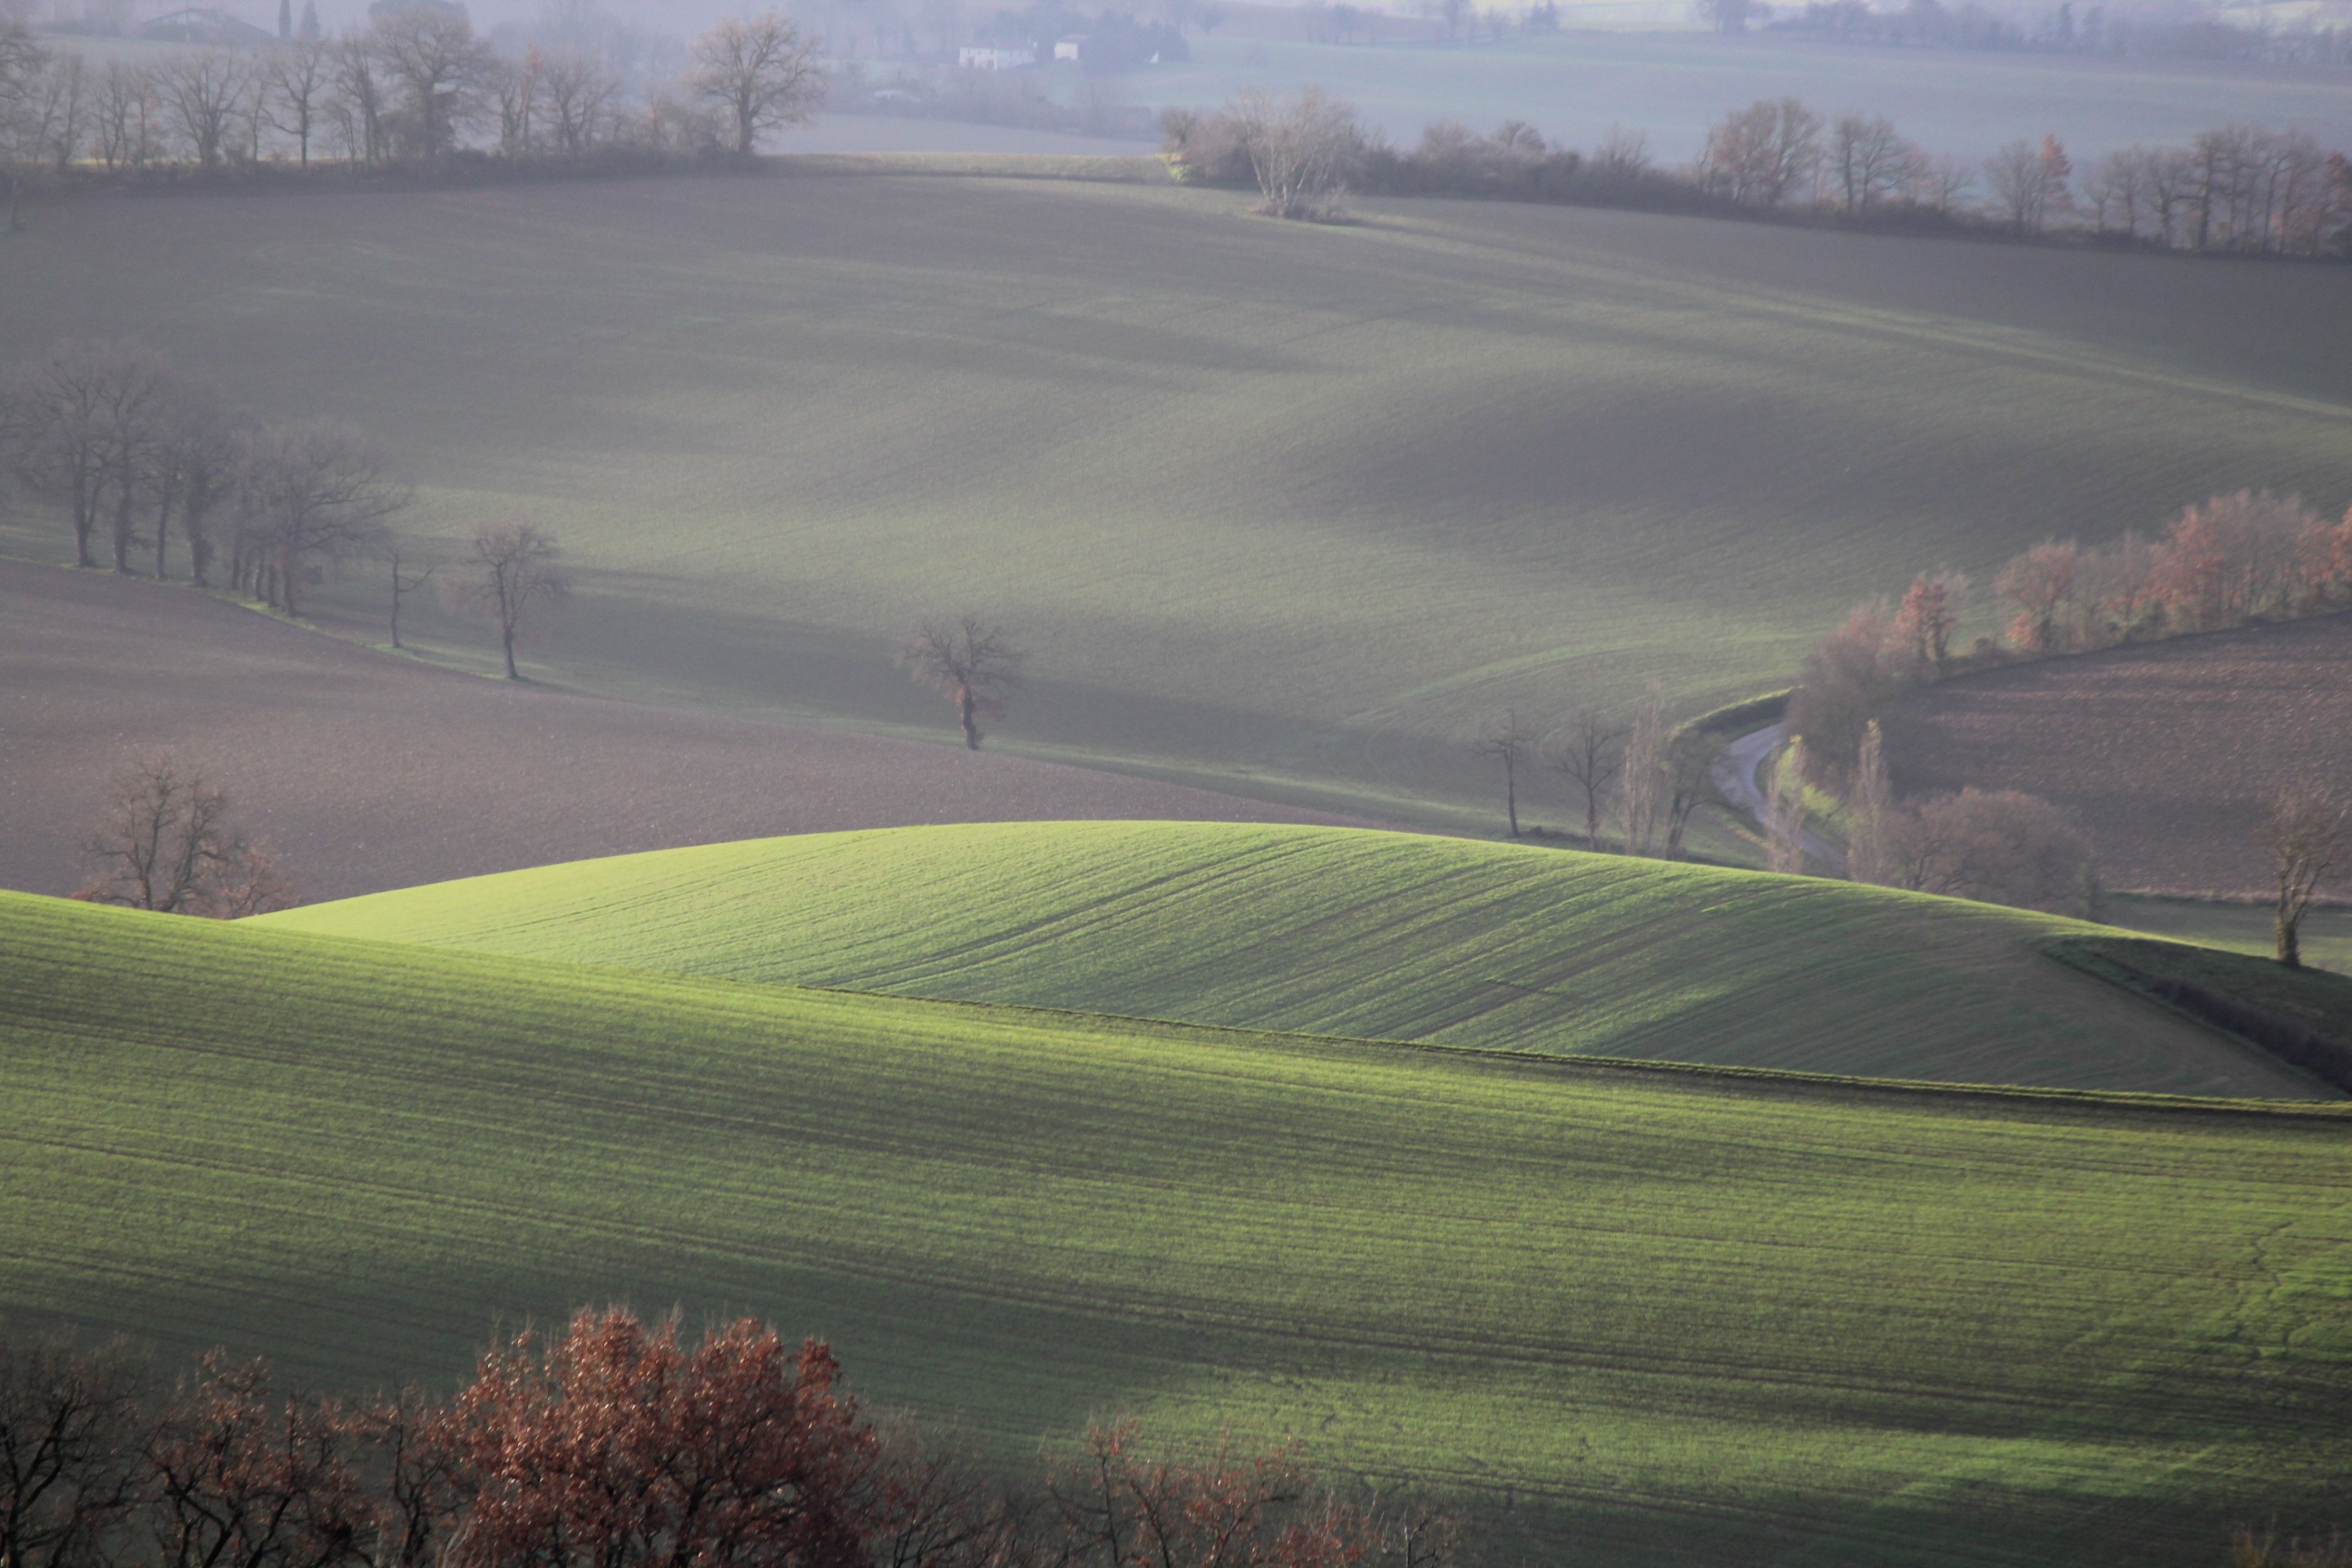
(1069, 47)
(204, 24)
(984, 57)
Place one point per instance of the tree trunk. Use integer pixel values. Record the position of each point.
(2290, 936)
(506, 637)
(286, 582)
(162, 536)
(1511, 798)
(969, 708)
(122, 532)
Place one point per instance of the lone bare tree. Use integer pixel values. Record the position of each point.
(165, 843)
(1513, 744)
(972, 664)
(1302, 150)
(761, 72)
(507, 572)
(2302, 830)
(1589, 756)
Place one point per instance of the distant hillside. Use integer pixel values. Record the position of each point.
(366, 770)
(1273, 505)
(1350, 933)
(1633, 1315)
(2165, 751)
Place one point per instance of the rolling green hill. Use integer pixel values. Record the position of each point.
(1663, 1314)
(1284, 508)
(1338, 930)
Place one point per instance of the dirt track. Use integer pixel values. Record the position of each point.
(366, 772)
(2164, 751)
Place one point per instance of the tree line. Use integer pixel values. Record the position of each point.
(615, 1443)
(2230, 561)
(136, 455)
(2240, 189)
(413, 88)
(1635, 781)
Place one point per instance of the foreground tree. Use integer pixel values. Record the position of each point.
(508, 572)
(246, 1475)
(165, 843)
(971, 663)
(1512, 744)
(2302, 830)
(763, 73)
(70, 1425)
(614, 1445)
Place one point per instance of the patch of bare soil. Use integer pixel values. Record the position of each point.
(365, 771)
(2164, 751)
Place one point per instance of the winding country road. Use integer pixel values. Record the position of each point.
(1736, 767)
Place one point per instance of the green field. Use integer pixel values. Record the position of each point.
(1282, 509)
(1665, 1314)
(1377, 935)
(2239, 928)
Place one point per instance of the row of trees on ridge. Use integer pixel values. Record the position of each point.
(137, 455)
(414, 86)
(2230, 561)
(2240, 189)
(614, 1443)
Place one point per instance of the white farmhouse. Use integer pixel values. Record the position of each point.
(982, 58)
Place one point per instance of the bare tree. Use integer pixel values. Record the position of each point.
(1784, 812)
(203, 94)
(70, 1427)
(1688, 776)
(404, 585)
(1870, 813)
(2001, 847)
(1302, 150)
(165, 843)
(1763, 155)
(23, 64)
(2302, 830)
(359, 99)
(972, 664)
(1647, 741)
(126, 114)
(1869, 161)
(1929, 616)
(508, 571)
(441, 67)
(762, 72)
(297, 77)
(191, 471)
(1512, 744)
(2028, 181)
(52, 417)
(579, 94)
(314, 493)
(1590, 755)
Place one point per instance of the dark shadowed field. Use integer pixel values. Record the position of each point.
(365, 771)
(2165, 751)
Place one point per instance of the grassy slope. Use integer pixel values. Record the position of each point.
(2240, 928)
(1353, 933)
(1738, 1320)
(1270, 503)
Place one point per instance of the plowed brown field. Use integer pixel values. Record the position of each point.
(365, 771)
(2165, 751)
